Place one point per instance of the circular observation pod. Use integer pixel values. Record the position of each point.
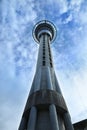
(44, 27)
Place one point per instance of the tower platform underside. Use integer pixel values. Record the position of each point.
(45, 108)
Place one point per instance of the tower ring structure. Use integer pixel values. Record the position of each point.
(44, 27)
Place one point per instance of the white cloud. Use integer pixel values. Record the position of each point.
(82, 17)
(62, 5)
(68, 19)
(14, 88)
(74, 2)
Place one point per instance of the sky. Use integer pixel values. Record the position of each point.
(18, 54)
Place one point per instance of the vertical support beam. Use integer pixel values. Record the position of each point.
(22, 124)
(57, 85)
(67, 122)
(49, 81)
(40, 54)
(32, 119)
(53, 117)
(37, 80)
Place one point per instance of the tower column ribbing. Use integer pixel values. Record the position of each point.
(45, 108)
(32, 118)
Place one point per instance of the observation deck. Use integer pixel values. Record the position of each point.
(44, 27)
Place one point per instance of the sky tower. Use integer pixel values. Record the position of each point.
(45, 108)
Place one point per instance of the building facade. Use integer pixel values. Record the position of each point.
(45, 108)
(81, 125)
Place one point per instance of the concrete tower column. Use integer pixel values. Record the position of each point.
(45, 108)
(23, 124)
(67, 121)
(32, 119)
(53, 117)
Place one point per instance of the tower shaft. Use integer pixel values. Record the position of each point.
(45, 108)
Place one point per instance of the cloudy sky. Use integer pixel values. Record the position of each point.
(18, 54)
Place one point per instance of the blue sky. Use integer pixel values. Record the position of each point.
(18, 54)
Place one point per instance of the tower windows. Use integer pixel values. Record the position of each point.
(43, 38)
(43, 53)
(50, 57)
(51, 64)
(43, 57)
(43, 49)
(43, 63)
